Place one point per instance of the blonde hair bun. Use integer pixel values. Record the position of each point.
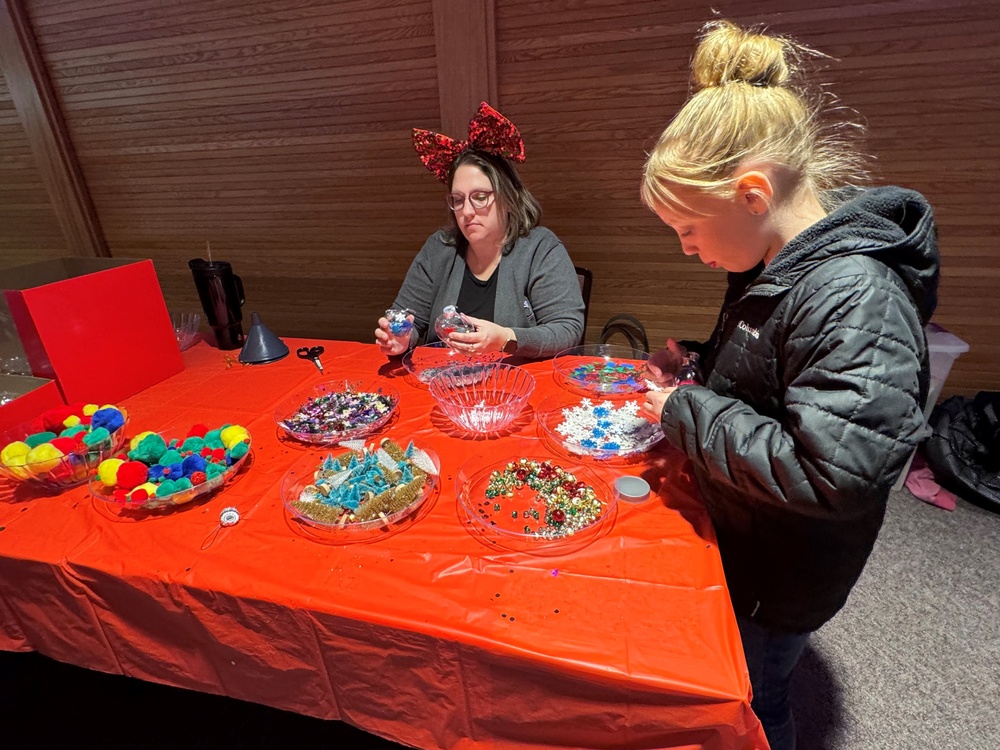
(729, 54)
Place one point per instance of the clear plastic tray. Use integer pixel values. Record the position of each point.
(72, 469)
(339, 525)
(602, 369)
(426, 361)
(634, 436)
(525, 520)
(183, 497)
(381, 404)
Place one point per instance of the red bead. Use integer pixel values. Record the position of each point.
(558, 515)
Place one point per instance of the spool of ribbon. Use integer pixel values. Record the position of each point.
(489, 131)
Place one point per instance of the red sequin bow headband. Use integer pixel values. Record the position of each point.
(489, 131)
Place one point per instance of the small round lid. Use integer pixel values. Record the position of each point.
(632, 489)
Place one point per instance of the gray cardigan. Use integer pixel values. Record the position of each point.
(538, 294)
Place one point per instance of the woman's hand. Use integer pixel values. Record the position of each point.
(652, 407)
(390, 344)
(665, 363)
(488, 337)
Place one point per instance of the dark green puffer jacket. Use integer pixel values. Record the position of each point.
(815, 379)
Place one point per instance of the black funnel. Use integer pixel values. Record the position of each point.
(262, 346)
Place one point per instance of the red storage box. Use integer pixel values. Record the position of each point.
(97, 326)
(34, 396)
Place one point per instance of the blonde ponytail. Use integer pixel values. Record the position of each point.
(748, 106)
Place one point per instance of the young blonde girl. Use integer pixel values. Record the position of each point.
(816, 372)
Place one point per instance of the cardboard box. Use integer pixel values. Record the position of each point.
(97, 326)
(34, 396)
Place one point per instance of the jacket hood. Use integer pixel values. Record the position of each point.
(892, 225)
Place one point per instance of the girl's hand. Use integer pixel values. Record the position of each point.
(665, 363)
(488, 337)
(390, 344)
(652, 407)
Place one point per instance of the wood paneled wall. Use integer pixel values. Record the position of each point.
(28, 227)
(279, 132)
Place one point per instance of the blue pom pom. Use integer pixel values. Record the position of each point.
(109, 418)
(191, 464)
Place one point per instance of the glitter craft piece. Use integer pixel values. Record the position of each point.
(333, 411)
(603, 429)
(373, 485)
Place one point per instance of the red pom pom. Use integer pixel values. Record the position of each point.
(138, 496)
(54, 418)
(198, 477)
(85, 420)
(206, 452)
(219, 454)
(199, 430)
(65, 444)
(131, 474)
(121, 496)
(122, 456)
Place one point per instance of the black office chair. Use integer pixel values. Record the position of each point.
(586, 279)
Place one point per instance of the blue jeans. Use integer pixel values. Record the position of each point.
(771, 659)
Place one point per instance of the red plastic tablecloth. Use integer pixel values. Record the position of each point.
(430, 637)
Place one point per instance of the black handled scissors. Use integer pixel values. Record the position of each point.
(311, 352)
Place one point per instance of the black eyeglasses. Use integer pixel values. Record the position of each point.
(480, 199)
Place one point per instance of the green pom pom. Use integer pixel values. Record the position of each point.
(213, 436)
(149, 450)
(182, 484)
(239, 450)
(214, 443)
(193, 444)
(40, 437)
(214, 470)
(170, 457)
(168, 487)
(71, 431)
(96, 437)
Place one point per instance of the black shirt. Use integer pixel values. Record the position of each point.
(478, 298)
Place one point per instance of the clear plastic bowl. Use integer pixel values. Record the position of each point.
(426, 361)
(638, 434)
(73, 468)
(485, 399)
(602, 369)
(303, 474)
(183, 497)
(356, 423)
(511, 521)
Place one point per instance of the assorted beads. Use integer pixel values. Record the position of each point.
(603, 428)
(365, 484)
(339, 413)
(609, 377)
(562, 505)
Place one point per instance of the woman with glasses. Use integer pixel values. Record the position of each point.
(511, 278)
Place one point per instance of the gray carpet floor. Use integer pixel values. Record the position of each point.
(913, 660)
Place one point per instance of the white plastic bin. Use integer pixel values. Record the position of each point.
(943, 349)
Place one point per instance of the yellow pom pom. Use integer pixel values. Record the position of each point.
(134, 443)
(71, 421)
(234, 434)
(89, 409)
(107, 472)
(43, 458)
(13, 454)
